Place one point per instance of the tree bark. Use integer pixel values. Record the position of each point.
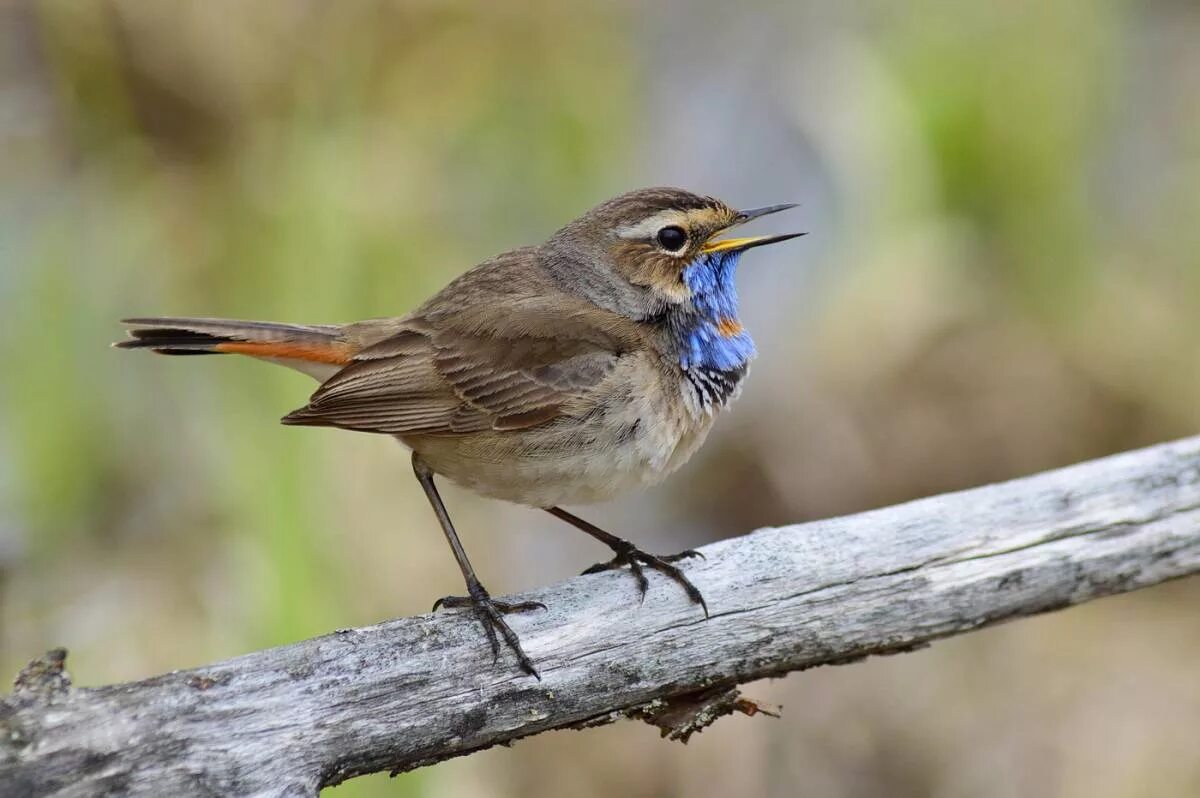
(414, 691)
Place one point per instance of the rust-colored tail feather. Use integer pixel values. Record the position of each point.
(318, 343)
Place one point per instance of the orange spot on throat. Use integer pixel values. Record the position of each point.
(335, 354)
(728, 327)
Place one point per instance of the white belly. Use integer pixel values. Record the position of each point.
(632, 446)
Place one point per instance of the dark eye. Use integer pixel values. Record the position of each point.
(672, 238)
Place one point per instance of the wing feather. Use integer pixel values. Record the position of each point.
(445, 384)
(502, 347)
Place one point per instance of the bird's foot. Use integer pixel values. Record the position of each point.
(491, 614)
(635, 558)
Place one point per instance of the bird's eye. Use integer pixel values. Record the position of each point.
(672, 238)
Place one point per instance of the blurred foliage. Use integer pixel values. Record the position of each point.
(1004, 276)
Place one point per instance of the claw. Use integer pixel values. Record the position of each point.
(491, 614)
(635, 558)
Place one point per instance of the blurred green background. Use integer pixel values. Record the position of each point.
(1003, 276)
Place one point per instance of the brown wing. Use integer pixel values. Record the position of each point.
(446, 383)
(502, 347)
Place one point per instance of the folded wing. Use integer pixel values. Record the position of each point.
(446, 383)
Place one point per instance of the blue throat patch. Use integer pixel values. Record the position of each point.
(711, 337)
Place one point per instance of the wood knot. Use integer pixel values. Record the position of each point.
(679, 717)
(44, 678)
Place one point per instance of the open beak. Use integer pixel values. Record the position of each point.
(766, 210)
(740, 244)
(731, 244)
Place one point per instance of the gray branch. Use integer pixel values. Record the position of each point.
(415, 691)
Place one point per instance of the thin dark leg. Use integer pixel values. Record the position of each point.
(635, 558)
(490, 611)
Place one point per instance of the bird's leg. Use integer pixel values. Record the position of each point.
(629, 554)
(490, 611)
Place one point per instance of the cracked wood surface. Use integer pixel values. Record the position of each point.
(410, 692)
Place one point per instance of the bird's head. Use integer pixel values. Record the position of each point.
(664, 245)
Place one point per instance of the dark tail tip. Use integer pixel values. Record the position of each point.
(172, 341)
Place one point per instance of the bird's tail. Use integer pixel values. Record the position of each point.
(316, 349)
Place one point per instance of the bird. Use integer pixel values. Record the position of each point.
(564, 373)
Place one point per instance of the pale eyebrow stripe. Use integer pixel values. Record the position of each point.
(652, 224)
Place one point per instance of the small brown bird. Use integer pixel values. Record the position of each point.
(565, 373)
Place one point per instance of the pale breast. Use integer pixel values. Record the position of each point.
(640, 432)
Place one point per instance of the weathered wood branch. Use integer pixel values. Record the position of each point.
(415, 691)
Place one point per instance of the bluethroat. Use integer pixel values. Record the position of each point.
(564, 373)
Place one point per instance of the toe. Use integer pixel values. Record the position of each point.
(507, 607)
(600, 567)
(489, 626)
(642, 582)
(453, 602)
(679, 578)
